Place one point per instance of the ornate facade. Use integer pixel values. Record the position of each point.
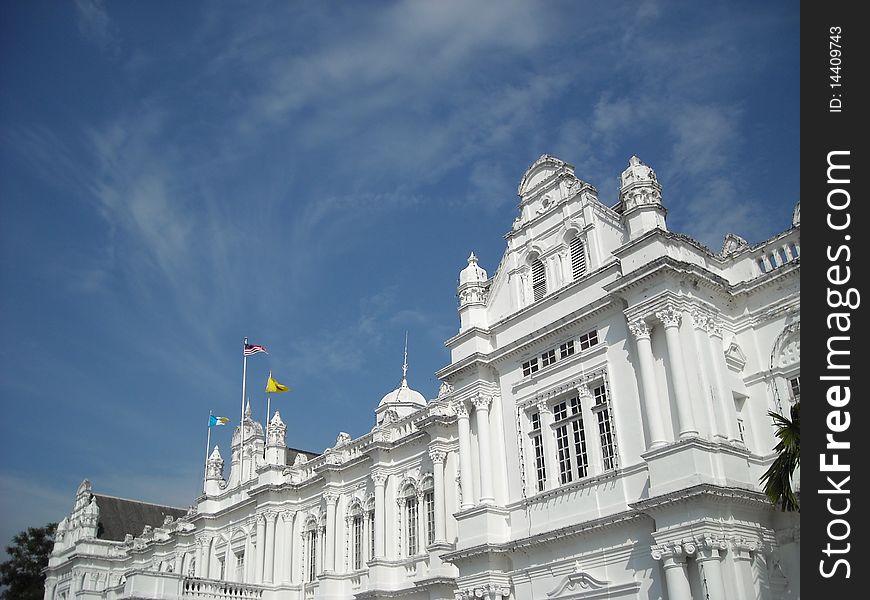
(599, 433)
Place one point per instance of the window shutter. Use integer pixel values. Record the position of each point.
(578, 257)
(539, 280)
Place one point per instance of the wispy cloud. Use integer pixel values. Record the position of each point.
(96, 25)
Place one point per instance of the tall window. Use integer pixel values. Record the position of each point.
(570, 440)
(537, 444)
(311, 542)
(411, 520)
(191, 568)
(429, 509)
(240, 566)
(605, 427)
(578, 257)
(539, 279)
(371, 515)
(357, 537)
(795, 252)
(795, 385)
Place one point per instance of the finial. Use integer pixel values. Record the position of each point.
(248, 409)
(405, 364)
(472, 258)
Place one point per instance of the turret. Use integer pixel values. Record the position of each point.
(472, 292)
(641, 197)
(247, 448)
(214, 473)
(276, 431)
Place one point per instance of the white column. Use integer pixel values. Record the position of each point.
(652, 407)
(481, 413)
(380, 480)
(438, 458)
(549, 444)
(465, 478)
(261, 548)
(286, 555)
(297, 549)
(229, 571)
(671, 318)
(278, 568)
(329, 543)
(249, 554)
(708, 395)
(198, 567)
(710, 566)
(726, 398)
(676, 578)
(743, 552)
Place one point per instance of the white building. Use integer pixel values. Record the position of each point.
(599, 433)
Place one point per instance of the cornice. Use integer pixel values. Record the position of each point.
(703, 491)
(553, 329)
(584, 528)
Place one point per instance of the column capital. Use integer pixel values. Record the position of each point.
(288, 515)
(679, 549)
(714, 327)
(670, 316)
(379, 478)
(261, 518)
(461, 409)
(482, 401)
(331, 498)
(743, 547)
(700, 320)
(639, 328)
(543, 407)
(583, 390)
(437, 456)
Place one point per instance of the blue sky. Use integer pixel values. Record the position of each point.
(313, 175)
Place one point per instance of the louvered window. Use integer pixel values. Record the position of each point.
(539, 280)
(578, 257)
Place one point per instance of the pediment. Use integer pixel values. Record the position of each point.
(541, 171)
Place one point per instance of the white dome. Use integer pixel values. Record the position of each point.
(472, 273)
(403, 395)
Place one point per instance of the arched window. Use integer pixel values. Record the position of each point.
(356, 526)
(311, 550)
(411, 520)
(539, 279)
(429, 509)
(370, 512)
(191, 568)
(578, 257)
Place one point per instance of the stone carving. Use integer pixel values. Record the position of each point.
(300, 459)
(639, 328)
(342, 439)
(733, 243)
(670, 316)
(482, 401)
(461, 409)
(639, 186)
(578, 580)
(214, 467)
(445, 389)
(487, 592)
(437, 456)
(276, 431)
(379, 478)
(700, 320)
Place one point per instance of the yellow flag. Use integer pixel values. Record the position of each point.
(274, 387)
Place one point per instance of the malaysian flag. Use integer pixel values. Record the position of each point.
(251, 349)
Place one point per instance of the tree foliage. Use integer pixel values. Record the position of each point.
(28, 556)
(777, 479)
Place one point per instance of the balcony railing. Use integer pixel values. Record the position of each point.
(209, 589)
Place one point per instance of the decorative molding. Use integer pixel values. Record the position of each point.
(489, 591)
(437, 456)
(670, 316)
(578, 579)
(482, 401)
(639, 328)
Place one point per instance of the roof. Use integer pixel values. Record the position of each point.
(292, 452)
(119, 516)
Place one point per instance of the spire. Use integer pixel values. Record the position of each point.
(405, 364)
(248, 409)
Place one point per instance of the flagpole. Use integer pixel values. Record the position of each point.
(268, 417)
(207, 445)
(242, 418)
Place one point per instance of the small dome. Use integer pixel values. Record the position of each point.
(472, 273)
(637, 172)
(403, 395)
